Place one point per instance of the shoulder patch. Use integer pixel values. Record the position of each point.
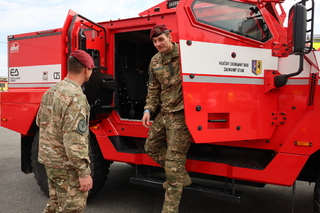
(82, 127)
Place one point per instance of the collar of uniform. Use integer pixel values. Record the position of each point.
(72, 82)
(166, 58)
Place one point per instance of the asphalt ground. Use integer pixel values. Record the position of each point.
(19, 193)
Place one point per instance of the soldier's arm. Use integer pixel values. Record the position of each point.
(153, 96)
(76, 136)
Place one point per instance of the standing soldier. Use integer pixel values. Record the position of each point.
(63, 145)
(165, 89)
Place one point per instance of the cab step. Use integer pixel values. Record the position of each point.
(224, 193)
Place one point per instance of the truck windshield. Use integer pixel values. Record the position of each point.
(236, 17)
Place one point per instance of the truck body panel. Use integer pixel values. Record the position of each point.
(243, 125)
(35, 59)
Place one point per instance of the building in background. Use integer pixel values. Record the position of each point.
(3, 83)
(316, 41)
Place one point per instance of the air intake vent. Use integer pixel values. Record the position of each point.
(313, 83)
(173, 4)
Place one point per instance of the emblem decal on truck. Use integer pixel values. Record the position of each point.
(14, 48)
(56, 75)
(256, 67)
(14, 72)
(45, 76)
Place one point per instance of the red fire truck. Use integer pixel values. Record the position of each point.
(250, 88)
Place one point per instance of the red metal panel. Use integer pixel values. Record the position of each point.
(128, 128)
(34, 59)
(306, 130)
(19, 108)
(38, 48)
(31, 96)
(110, 153)
(283, 170)
(248, 107)
(19, 117)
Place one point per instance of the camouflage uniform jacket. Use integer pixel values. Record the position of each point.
(165, 85)
(63, 121)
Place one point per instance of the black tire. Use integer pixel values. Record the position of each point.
(316, 196)
(99, 166)
(38, 169)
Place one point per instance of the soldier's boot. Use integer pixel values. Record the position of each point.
(186, 181)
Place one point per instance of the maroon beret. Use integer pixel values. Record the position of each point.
(84, 58)
(158, 30)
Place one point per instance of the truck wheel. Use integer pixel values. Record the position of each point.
(99, 166)
(316, 196)
(38, 169)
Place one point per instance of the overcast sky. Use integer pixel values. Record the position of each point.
(22, 16)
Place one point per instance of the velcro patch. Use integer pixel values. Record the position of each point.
(82, 127)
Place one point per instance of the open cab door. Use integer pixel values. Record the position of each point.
(81, 33)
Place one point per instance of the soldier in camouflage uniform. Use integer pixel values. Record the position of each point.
(63, 143)
(165, 89)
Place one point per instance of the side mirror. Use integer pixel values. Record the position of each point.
(297, 29)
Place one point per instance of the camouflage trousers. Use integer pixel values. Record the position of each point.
(65, 196)
(170, 126)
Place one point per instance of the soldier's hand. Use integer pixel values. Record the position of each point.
(146, 119)
(85, 183)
